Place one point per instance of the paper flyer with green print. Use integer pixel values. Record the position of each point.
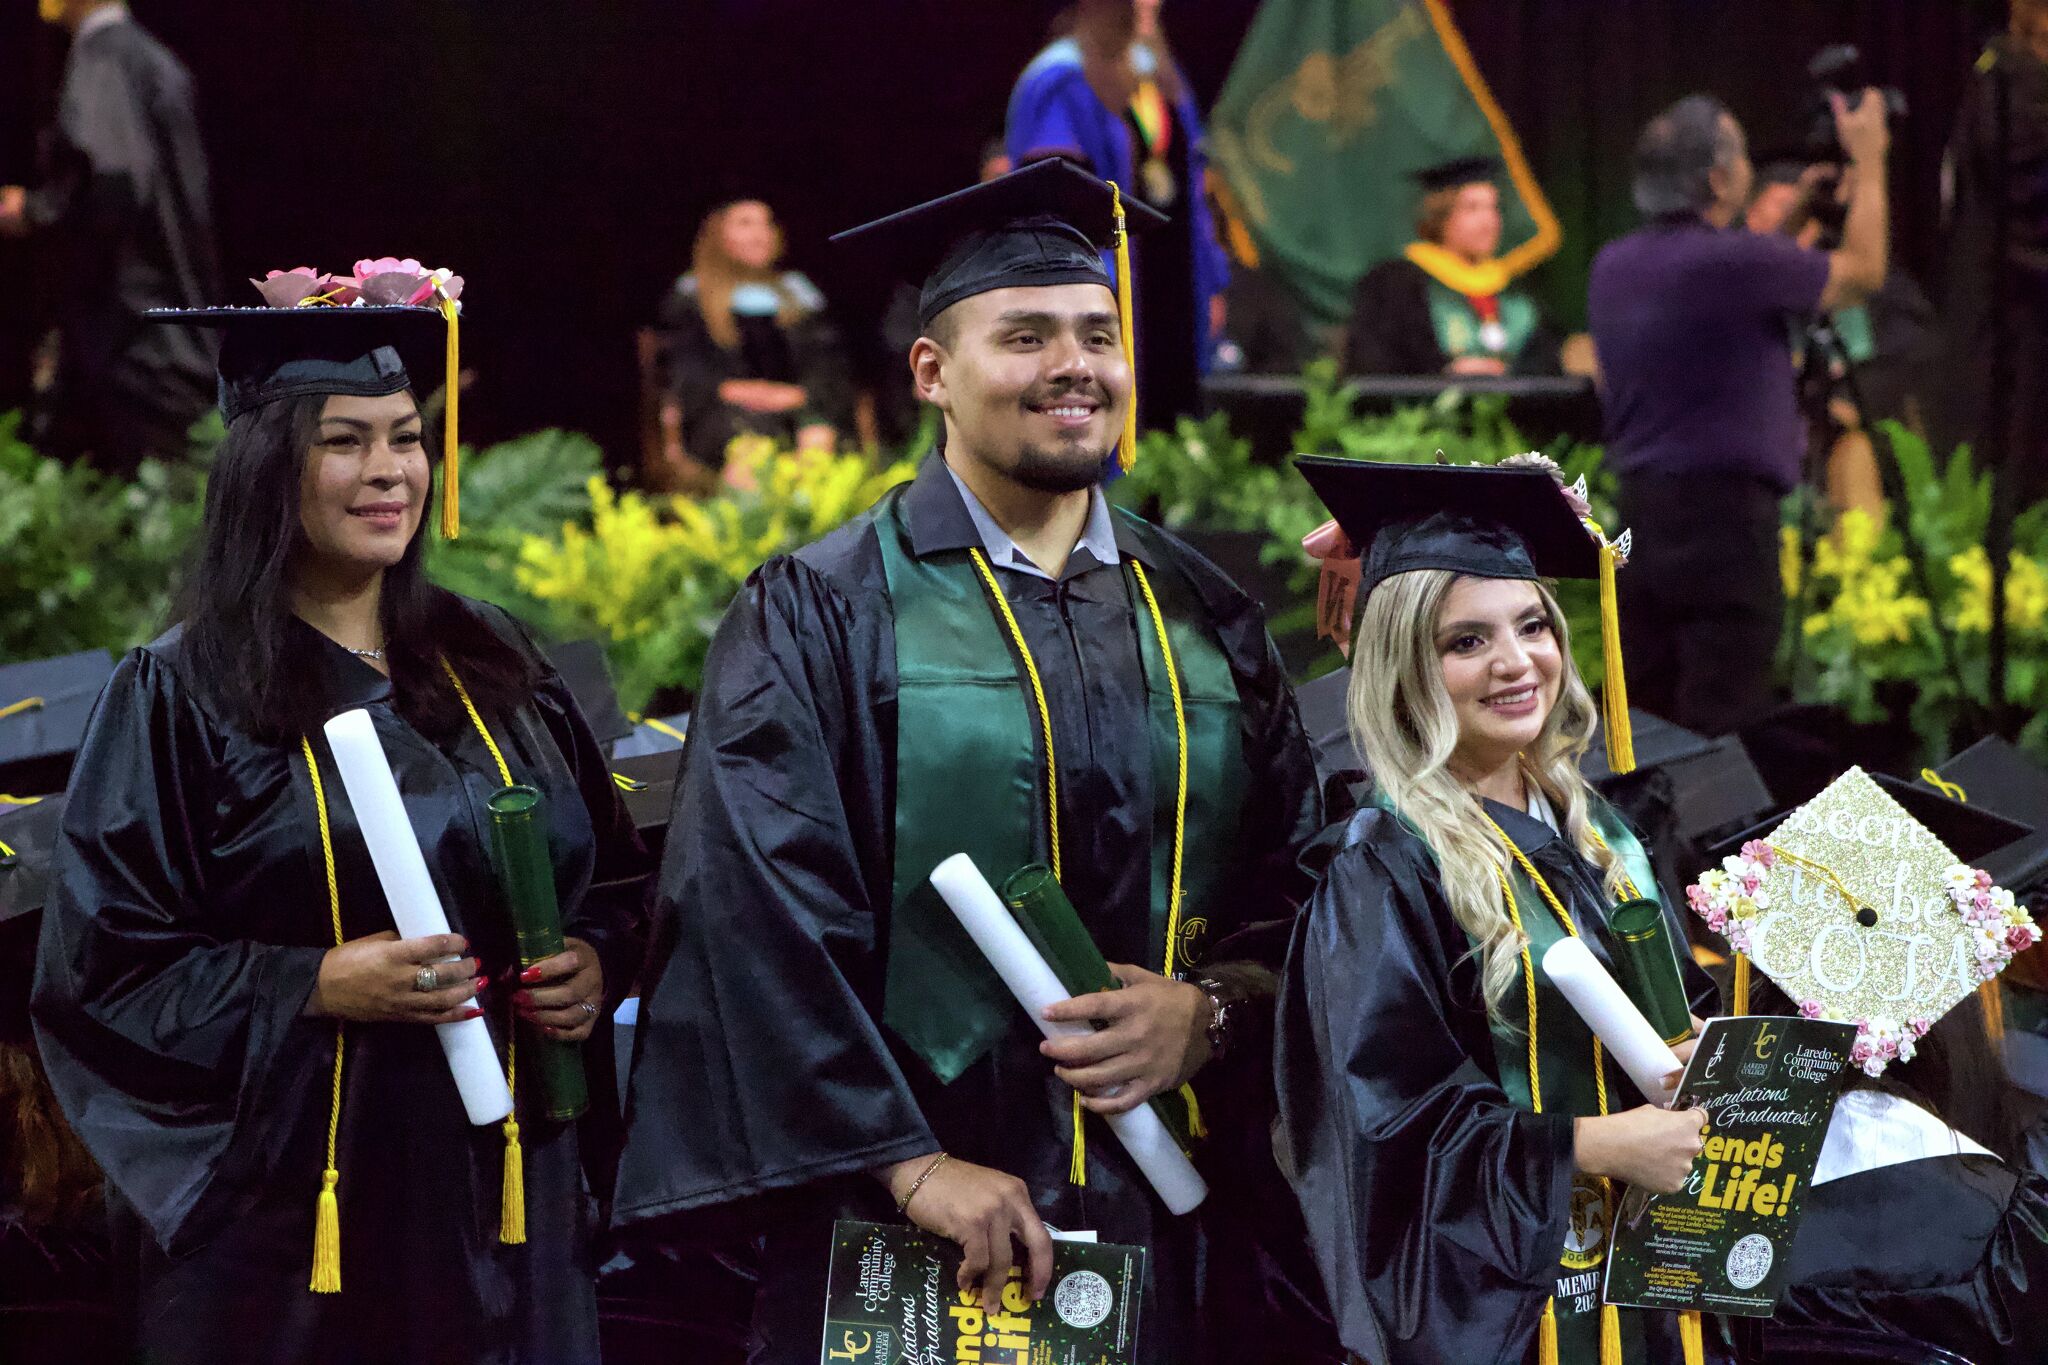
(1721, 1244)
(891, 1300)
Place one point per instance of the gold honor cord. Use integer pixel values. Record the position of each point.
(327, 1220)
(1610, 1317)
(1077, 1168)
(327, 1212)
(512, 1205)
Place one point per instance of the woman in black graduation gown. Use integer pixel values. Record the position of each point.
(1927, 1216)
(204, 954)
(1451, 1130)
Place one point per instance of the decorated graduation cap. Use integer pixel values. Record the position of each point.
(1459, 171)
(1862, 914)
(1516, 519)
(1045, 224)
(379, 331)
(44, 707)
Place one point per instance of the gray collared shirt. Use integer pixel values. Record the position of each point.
(1098, 537)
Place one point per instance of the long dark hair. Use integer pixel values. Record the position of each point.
(1957, 1073)
(49, 1175)
(236, 605)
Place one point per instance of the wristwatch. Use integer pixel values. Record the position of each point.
(1223, 1003)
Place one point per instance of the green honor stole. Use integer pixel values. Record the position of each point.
(974, 775)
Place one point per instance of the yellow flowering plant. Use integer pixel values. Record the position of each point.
(651, 576)
(1879, 633)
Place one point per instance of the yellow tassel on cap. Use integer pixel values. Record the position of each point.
(1691, 1339)
(1994, 1011)
(1621, 744)
(327, 1237)
(1127, 444)
(451, 441)
(1610, 1335)
(1196, 1128)
(1077, 1169)
(512, 1218)
(1546, 1334)
(1739, 993)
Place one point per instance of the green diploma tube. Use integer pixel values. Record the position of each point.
(1041, 908)
(1648, 969)
(519, 846)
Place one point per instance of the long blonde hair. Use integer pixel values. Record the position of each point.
(717, 273)
(1402, 718)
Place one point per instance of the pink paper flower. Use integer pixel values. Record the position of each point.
(1757, 851)
(388, 265)
(2020, 937)
(1983, 880)
(1918, 1027)
(1809, 1009)
(287, 288)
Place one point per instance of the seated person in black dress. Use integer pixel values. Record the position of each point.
(1444, 306)
(750, 349)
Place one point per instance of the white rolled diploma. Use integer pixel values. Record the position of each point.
(1612, 1016)
(415, 904)
(982, 913)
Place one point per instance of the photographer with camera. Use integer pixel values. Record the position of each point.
(1689, 318)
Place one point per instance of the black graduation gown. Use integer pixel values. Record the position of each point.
(1390, 330)
(764, 1084)
(1948, 1250)
(122, 208)
(187, 917)
(807, 352)
(1436, 1207)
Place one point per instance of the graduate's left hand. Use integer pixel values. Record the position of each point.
(552, 990)
(1154, 1038)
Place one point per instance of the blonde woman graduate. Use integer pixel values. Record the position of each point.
(1451, 1128)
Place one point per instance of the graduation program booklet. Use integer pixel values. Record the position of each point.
(1720, 1244)
(891, 1300)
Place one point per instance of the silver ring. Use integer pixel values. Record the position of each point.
(589, 1010)
(426, 979)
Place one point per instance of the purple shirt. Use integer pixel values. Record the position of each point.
(1695, 360)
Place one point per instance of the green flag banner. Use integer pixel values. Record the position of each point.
(1331, 107)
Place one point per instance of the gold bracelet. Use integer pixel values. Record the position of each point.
(903, 1204)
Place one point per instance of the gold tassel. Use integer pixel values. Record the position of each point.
(451, 440)
(512, 1220)
(1127, 444)
(1621, 744)
(1077, 1170)
(327, 1237)
(1196, 1128)
(1994, 1011)
(1740, 1003)
(1691, 1338)
(1546, 1334)
(1610, 1335)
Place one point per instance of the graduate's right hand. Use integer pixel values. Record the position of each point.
(985, 1211)
(1647, 1146)
(370, 981)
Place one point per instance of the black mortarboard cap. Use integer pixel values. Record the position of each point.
(271, 353)
(1970, 831)
(1480, 520)
(44, 706)
(363, 350)
(1994, 775)
(1463, 170)
(27, 836)
(1047, 223)
(582, 666)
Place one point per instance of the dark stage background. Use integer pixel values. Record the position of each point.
(559, 155)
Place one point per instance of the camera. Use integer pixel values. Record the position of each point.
(1840, 70)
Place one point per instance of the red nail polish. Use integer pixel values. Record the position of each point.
(531, 974)
(473, 1014)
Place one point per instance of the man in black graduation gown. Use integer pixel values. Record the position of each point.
(122, 212)
(814, 1031)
